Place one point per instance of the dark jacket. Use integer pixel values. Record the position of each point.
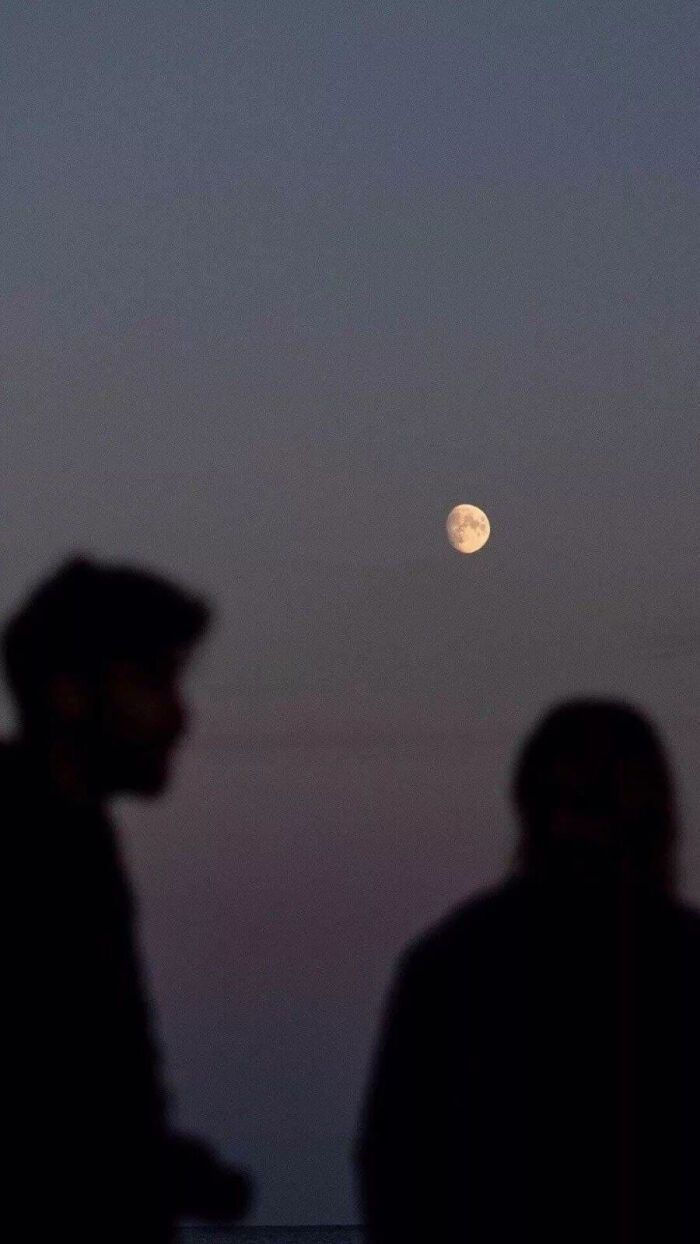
(88, 1131)
(537, 1076)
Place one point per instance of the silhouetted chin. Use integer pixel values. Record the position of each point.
(147, 776)
(149, 787)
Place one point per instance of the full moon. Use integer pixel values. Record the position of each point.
(468, 528)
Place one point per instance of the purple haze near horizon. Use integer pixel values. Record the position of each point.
(281, 285)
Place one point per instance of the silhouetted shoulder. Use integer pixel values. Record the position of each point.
(8, 755)
(687, 924)
(688, 920)
(469, 941)
(482, 917)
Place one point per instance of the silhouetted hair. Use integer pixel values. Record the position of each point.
(602, 743)
(87, 614)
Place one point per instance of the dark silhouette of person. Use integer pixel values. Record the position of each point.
(537, 1073)
(93, 659)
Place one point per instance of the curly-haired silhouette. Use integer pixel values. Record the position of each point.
(93, 660)
(537, 1074)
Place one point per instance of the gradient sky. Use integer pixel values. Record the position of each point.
(281, 284)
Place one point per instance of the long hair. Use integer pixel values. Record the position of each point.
(598, 756)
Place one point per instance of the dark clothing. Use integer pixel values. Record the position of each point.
(88, 1139)
(537, 1076)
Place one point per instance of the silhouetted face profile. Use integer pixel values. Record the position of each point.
(128, 721)
(594, 795)
(95, 660)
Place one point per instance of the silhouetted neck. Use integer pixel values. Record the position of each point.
(591, 896)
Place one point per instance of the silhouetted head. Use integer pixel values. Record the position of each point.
(93, 659)
(595, 796)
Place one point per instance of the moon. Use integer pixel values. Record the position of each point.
(468, 528)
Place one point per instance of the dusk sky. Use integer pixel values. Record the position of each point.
(282, 282)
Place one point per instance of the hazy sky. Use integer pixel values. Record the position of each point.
(281, 283)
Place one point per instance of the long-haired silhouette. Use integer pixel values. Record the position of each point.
(537, 1073)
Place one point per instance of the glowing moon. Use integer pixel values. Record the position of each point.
(468, 528)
